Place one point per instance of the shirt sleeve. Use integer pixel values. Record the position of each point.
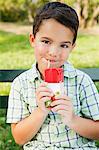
(89, 98)
(17, 108)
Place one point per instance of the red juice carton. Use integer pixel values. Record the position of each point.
(55, 79)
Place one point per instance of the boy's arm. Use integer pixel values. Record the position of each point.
(85, 127)
(89, 99)
(26, 129)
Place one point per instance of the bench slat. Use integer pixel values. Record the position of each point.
(92, 72)
(9, 75)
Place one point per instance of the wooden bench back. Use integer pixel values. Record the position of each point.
(10, 75)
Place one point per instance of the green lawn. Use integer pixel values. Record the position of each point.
(6, 140)
(86, 53)
(16, 53)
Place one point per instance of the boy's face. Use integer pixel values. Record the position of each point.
(53, 42)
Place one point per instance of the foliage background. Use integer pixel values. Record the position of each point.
(24, 10)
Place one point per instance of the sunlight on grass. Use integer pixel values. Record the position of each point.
(85, 60)
(17, 60)
(86, 54)
(4, 88)
(18, 53)
(16, 50)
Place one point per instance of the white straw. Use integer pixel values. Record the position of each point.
(48, 66)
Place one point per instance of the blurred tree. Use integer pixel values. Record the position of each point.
(31, 7)
(14, 10)
(88, 12)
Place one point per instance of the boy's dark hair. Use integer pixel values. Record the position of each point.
(61, 12)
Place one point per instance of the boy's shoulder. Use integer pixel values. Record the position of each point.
(28, 75)
(80, 73)
(83, 78)
(71, 72)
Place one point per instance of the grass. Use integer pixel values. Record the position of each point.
(86, 52)
(6, 139)
(19, 54)
(16, 53)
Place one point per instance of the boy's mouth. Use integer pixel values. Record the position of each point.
(52, 61)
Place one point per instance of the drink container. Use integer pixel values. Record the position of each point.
(54, 77)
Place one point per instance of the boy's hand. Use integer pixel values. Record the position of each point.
(64, 107)
(43, 94)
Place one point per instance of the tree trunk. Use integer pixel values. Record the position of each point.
(85, 12)
(78, 10)
(87, 17)
(95, 15)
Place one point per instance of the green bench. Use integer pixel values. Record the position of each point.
(9, 75)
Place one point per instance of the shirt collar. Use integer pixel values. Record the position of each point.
(69, 71)
(34, 73)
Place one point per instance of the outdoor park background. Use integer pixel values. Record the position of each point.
(16, 53)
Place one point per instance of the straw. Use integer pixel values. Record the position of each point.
(48, 66)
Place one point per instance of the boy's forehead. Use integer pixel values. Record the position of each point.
(51, 27)
(50, 22)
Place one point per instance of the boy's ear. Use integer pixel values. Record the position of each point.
(73, 46)
(31, 38)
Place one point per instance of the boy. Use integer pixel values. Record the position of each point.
(72, 122)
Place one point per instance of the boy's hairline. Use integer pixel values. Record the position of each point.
(58, 22)
(45, 13)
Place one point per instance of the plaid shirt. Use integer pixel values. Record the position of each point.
(53, 134)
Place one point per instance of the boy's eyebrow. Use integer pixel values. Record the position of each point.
(47, 38)
(67, 42)
(52, 40)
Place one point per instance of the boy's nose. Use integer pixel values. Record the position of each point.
(53, 51)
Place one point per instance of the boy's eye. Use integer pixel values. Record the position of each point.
(45, 41)
(64, 46)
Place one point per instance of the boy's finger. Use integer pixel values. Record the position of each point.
(59, 102)
(60, 107)
(43, 84)
(44, 94)
(45, 99)
(64, 97)
(43, 89)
